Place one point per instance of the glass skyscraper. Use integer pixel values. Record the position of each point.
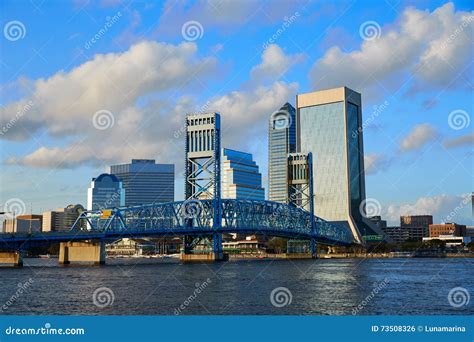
(329, 124)
(240, 176)
(106, 191)
(281, 141)
(145, 182)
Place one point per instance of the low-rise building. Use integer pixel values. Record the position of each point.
(61, 219)
(447, 229)
(450, 240)
(23, 224)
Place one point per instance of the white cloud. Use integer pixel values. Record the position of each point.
(146, 125)
(444, 208)
(433, 48)
(375, 163)
(274, 64)
(417, 137)
(67, 101)
(467, 139)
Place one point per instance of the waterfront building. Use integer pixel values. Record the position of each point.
(329, 125)
(281, 142)
(450, 240)
(241, 178)
(61, 219)
(415, 227)
(145, 182)
(23, 224)
(454, 229)
(106, 191)
(395, 233)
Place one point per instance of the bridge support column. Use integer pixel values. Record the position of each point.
(12, 259)
(313, 248)
(91, 252)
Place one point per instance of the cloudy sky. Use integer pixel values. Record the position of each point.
(86, 84)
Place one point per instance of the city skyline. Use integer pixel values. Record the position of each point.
(407, 135)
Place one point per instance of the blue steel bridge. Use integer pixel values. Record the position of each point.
(190, 218)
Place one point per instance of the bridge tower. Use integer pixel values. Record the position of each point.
(300, 187)
(202, 174)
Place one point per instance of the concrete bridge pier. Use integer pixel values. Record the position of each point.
(11, 259)
(216, 255)
(82, 252)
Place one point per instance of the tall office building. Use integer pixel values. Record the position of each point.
(281, 141)
(241, 178)
(61, 219)
(106, 191)
(329, 124)
(145, 182)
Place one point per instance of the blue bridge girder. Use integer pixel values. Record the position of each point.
(191, 217)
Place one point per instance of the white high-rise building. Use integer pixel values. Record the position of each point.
(106, 191)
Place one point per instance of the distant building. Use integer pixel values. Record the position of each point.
(281, 141)
(377, 220)
(145, 182)
(415, 227)
(61, 219)
(23, 224)
(329, 125)
(106, 191)
(470, 231)
(450, 240)
(241, 178)
(447, 229)
(395, 233)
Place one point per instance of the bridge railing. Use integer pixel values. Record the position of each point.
(197, 216)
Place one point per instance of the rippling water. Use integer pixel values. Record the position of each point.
(167, 287)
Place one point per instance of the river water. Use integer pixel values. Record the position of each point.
(413, 286)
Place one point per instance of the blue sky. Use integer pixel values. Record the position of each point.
(412, 62)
